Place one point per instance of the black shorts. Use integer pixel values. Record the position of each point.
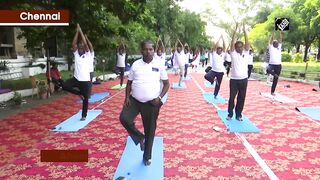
(120, 70)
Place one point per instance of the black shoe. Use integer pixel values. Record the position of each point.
(229, 118)
(147, 162)
(239, 118)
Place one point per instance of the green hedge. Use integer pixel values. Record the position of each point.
(17, 84)
(286, 57)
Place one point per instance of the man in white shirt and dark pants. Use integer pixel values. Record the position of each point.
(239, 75)
(143, 95)
(274, 67)
(121, 62)
(217, 68)
(81, 80)
(180, 59)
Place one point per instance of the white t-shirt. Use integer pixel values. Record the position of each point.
(161, 58)
(92, 59)
(121, 60)
(206, 55)
(250, 60)
(186, 56)
(239, 64)
(190, 56)
(179, 58)
(82, 66)
(217, 61)
(196, 60)
(275, 54)
(146, 79)
(227, 57)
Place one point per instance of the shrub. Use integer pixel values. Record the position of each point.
(17, 98)
(17, 84)
(286, 57)
(297, 58)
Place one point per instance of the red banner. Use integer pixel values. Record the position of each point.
(34, 17)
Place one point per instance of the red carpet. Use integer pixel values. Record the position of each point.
(289, 142)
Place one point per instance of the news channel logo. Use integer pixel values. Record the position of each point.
(281, 24)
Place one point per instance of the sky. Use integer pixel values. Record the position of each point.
(199, 6)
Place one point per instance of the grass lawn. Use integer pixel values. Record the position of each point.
(292, 70)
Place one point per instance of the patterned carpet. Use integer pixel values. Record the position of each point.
(289, 143)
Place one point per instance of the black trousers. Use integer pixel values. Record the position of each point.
(149, 114)
(121, 72)
(237, 88)
(228, 66)
(91, 76)
(275, 71)
(186, 70)
(249, 70)
(79, 88)
(210, 76)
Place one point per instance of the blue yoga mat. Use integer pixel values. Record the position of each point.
(97, 97)
(74, 123)
(209, 97)
(175, 86)
(209, 85)
(313, 112)
(186, 78)
(237, 126)
(132, 162)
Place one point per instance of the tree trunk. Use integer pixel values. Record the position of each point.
(305, 57)
(298, 48)
(318, 55)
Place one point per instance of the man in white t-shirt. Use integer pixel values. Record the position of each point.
(206, 57)
(250, 62)
(143, 95)
(187, 56)
(180, 60)
(121, 62)
(217, 68)
(82, 64)
(275, 61)
(239, 75)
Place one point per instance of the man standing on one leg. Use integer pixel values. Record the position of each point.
(217, 71)
(180, 59)
(81, 79)
(187, 55)
(143, 95)
(239, 75)
(275, 60)
(121, 61)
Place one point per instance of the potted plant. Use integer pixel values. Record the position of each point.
(42, 89)
(17, 98)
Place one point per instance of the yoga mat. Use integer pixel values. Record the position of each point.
(279, 97)
(132, 162)
(237, 126)
(118, 86)
(209, 97)
(97, 97)
(313, 112)
(74, 124)
(175, 86)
